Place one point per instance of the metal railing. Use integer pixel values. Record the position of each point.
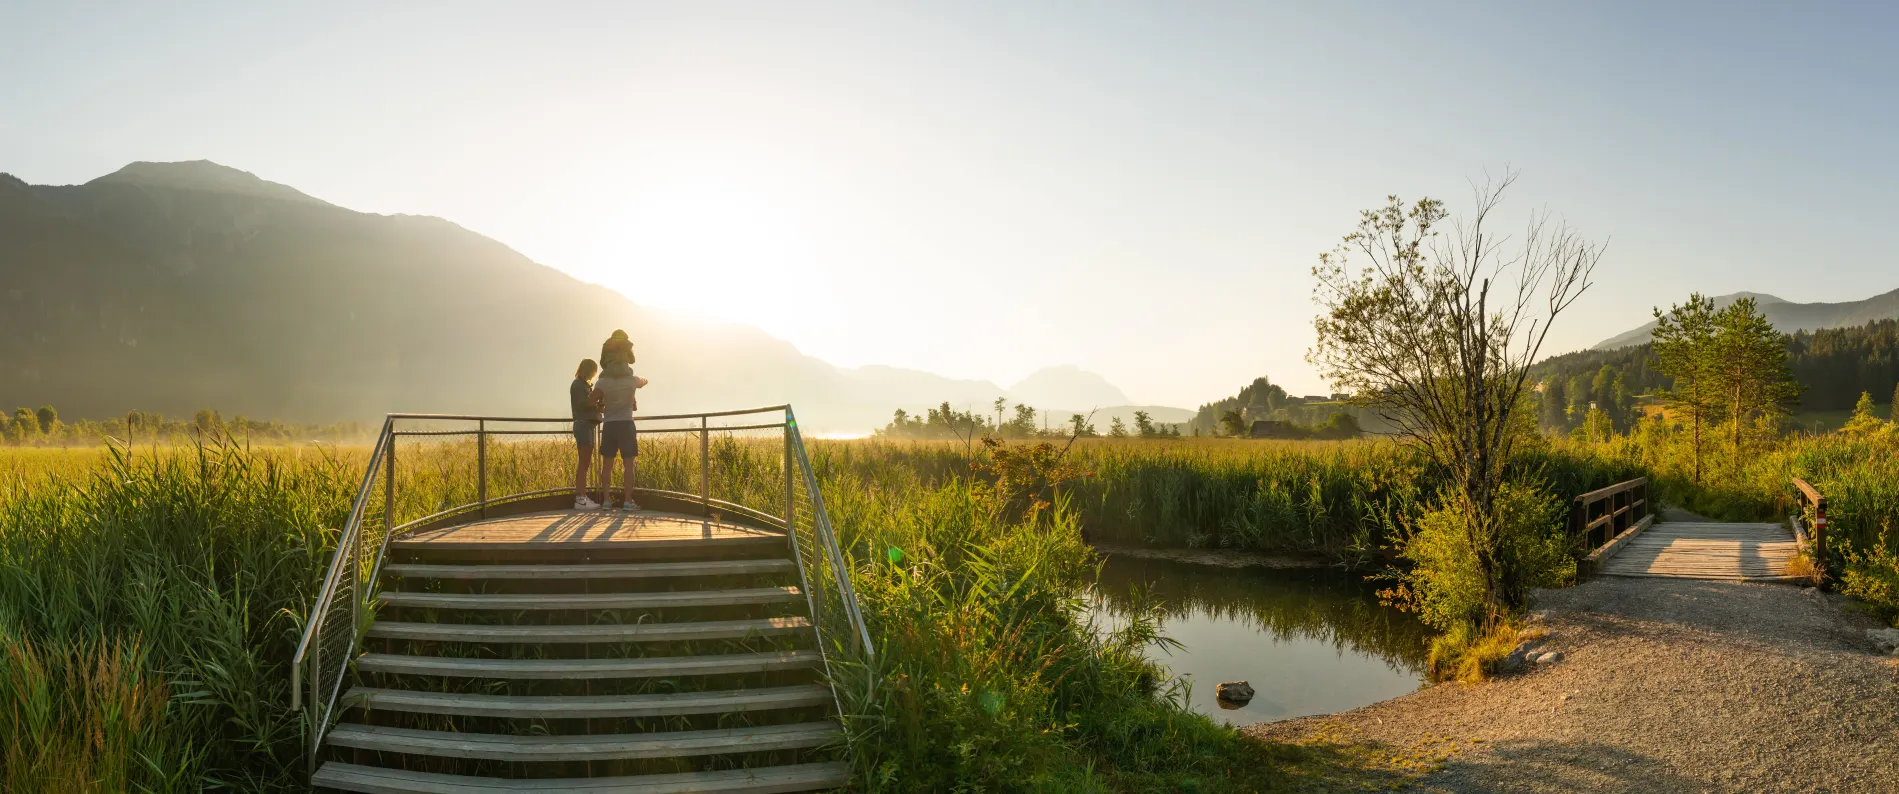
(423, 482)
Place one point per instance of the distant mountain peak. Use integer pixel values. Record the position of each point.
(1786, 316)
(203, 175)
(1066, 385)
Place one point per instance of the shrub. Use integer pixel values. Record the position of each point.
(1872, 576)
(1444, 584)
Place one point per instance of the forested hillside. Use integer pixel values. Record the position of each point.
(1834, 365)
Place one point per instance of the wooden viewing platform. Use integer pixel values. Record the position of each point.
(1706, 550)
(512, 643)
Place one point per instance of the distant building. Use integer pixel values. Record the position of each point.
(1268, 428)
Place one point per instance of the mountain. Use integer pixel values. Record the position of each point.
(1788, 317)
(1066, 385)
(176, 286)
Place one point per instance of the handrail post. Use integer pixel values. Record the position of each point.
(791, 497)
(389, 482)
(481, 466)
(1819, 535)
(705, 468)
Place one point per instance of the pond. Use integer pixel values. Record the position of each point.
(1310, 641)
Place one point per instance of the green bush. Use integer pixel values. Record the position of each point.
(1444, 583)
(1872, 575)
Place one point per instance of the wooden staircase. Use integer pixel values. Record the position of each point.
(593, 652)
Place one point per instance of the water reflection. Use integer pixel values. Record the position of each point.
(1309, 641)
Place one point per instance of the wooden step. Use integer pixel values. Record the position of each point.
(648, 570)
(531, 601)
(643, 667)
(610, 747)
(762, 780)
(600, 632)
(522, 708)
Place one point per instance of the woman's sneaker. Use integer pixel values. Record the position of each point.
(630, 506)
(583, 503)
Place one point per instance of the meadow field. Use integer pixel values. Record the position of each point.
(150, 600)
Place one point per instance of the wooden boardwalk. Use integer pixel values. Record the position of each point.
(563, 528)
(1706, 550)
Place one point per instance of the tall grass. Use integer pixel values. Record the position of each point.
(149, 605)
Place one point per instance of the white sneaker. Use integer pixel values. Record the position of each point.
(583, 503)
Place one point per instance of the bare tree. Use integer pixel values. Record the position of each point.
(1436, 332)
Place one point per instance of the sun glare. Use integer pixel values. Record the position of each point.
(713, 243)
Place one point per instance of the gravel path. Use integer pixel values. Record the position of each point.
(1665, 686)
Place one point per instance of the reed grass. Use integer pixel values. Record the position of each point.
(150, 603)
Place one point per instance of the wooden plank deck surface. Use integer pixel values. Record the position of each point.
(1707, 550)
(585, 528)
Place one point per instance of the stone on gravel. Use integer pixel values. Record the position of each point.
(1885, 640)
(1547, 657)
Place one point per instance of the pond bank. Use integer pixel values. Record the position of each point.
(1666, 686)
(1219, 558)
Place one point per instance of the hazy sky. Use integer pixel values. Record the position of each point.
(981, 189)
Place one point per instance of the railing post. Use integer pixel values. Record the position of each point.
(705, 468)
(389, 483)
(481, 466)
(791, 493)
(1819, 535)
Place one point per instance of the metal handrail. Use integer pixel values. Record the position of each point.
(822, 520)
(350, 550)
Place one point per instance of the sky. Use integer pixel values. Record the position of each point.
(981, 189)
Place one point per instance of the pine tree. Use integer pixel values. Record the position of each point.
(1748, 368)
(1683, 347)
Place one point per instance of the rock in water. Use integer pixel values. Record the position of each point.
(1885, 640)
(1234, 691)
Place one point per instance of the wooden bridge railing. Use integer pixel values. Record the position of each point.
(1602, 514)
(1807, 497)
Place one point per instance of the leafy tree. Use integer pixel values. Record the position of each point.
(1438, 334)
(1144, 425)
(1022, 425)
(48, 419)
(1603, 389)
(1683, 348)
(1747, 368)
(26, 424)
(1117, 428)
(1232, 424)
(1080, 427)
(1554, 404)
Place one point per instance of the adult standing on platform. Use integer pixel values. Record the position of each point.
(616, 395)
(586, 423)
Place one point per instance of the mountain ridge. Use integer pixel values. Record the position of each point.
(1786, 316)
(178, 286)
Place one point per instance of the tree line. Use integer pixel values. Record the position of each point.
(43, 427)
(1017, 422)
(1312, 416)
(1832, 365)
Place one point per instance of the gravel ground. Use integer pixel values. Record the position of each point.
(1665, 686)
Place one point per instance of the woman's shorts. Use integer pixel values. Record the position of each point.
(619, 438)
(583, 433)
